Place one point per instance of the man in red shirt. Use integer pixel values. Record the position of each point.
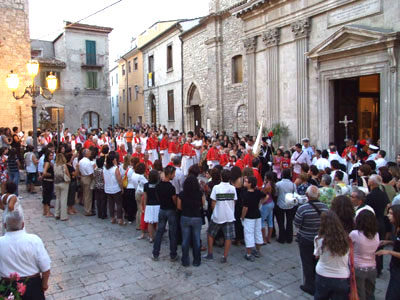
(213, 155)
(255, 165)
(187, 156)
(164, 150)
(122, 152)
(152, 147)
(224, 159)
(239, 162)
(138, 153)
(174, 148)
(248, 158)
(89, 142)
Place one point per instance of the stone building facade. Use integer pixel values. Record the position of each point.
(81, 60)
(162, 70)
(131, 100)
(14, 54)
(214, 99)
(114, 95)
(315, 63)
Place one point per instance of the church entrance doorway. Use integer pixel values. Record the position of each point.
(356, 99)
(197, 118)
(153, 111)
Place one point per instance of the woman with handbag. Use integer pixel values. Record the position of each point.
(365, 239)
(113, 187)
(62, 179)
(331, 246)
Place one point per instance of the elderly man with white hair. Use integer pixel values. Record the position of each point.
(308, 220)
(24, 254)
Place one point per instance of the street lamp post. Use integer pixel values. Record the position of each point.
(33, 91)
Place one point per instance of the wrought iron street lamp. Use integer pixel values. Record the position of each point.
(33, 91)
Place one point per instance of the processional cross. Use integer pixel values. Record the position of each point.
(346, 123)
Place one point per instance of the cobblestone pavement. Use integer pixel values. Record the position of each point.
(93, 260)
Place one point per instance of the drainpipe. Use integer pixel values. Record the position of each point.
(127, 95)
(182, 92)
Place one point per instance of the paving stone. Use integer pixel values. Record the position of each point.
(93, 259)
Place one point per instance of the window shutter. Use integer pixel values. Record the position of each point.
(94, 80)
(90, 52)
(171, 114)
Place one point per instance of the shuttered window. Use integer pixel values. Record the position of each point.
(171, 114)
(91, 82)
(91, 53)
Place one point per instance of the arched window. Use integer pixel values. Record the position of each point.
(237, 69)
(194, 96)
(91, 120)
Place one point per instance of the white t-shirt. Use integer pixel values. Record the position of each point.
(328, 265)
(322, 163)
(111, 185)
(138, 180)
(225, 196)
(22, 253)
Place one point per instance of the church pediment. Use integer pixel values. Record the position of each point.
(351, 38)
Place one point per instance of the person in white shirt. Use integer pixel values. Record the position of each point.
(380, 159)
(299, 157)
(372, 152)
(179, 178)
(223, 198)
(335, 166)
(86, 169)
(24, 254)
(138, 181)
(331, 247)
(334, 155)
(307, 148)
(197, 143)
(322, 163)
(357, 198)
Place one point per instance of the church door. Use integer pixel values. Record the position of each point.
(197, 118)
(153, 110)
(357, 98)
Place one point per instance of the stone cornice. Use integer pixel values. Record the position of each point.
(301, 28)
(271, 37)
(250, 44)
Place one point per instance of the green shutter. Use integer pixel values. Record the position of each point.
(91, 53)
(94, 80)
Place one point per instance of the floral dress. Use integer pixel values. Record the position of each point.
(326, 195)
(3, 170)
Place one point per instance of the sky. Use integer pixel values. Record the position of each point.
(128, 18)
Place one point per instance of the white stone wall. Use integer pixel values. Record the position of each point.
(164, 80)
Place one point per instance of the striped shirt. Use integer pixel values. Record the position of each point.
(308, 220)
(225, 195)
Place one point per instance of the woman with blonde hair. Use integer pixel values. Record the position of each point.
(62, 178)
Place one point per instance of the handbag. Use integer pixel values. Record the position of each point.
(125, 179)
(67, 178)
(353, 295)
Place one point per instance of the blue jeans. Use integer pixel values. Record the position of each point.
(191, 228)
(267, 214)
(14, 177)
(331, 288)
(393, 292)
(164, 217)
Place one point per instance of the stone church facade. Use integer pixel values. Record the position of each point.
(212, 98)
(312, 63)
(14, 54)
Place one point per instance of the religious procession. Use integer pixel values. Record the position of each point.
(342, 206)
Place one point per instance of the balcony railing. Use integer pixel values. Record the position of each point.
(92, 60)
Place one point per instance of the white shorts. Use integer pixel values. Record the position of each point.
(151, 214)
(252, 232)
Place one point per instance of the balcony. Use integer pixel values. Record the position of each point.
(92, 61)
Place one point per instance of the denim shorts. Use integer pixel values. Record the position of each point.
(267, 214)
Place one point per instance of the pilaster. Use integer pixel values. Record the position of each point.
(271, 41)
(250, 44)
(301, 30)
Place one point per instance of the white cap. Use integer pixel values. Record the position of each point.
(373, 147)
(306, 139)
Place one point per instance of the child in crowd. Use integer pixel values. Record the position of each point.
(251, 218)
(151, 203)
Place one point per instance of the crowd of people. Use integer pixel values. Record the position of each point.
(344, 203)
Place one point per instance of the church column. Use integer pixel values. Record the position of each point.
(250, 44)
(271, 40)
(300, 30)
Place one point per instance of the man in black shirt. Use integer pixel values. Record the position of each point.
(167, 196)
(378, 200)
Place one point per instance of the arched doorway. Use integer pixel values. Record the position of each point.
(153, 109)
(194, 102)
(91, 120)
